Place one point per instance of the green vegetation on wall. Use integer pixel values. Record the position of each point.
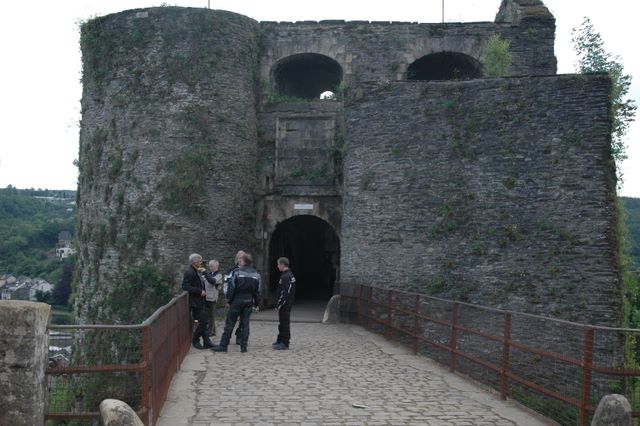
(497, 57)
(183, 186)
(139, 282)
(101, 43)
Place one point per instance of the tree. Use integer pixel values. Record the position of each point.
(29, 229)
(43, 296)
(592, 58)
(62, 289)
(497, 57)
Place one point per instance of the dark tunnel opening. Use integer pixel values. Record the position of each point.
(307, 75)
(445, 66)
(313, 249)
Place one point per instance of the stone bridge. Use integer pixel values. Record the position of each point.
(334, 374)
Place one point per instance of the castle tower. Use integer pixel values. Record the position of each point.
(167, 150)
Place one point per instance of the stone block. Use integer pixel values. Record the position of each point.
(613, 410)
(332, 311)
(117, 413)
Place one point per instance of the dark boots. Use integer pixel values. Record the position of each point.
(218, 348)
(207, 343)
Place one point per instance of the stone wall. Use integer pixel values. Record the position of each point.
(374, 51)
(167, 146)
(495, 191)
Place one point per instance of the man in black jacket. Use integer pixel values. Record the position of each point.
(227, 280)
(286, 293)
(192, 282)
(243, 295)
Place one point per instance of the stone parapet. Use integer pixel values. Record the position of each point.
(24, 346)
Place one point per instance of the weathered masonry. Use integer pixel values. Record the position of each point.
(204, 131)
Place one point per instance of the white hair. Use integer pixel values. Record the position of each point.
(193, 258)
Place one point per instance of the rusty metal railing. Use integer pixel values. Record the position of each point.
(133, 363)
(559, 368)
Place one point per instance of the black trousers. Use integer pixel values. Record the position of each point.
(284, 327)
(211, 318)
(200, 315)
(242, 311)
(239, 331)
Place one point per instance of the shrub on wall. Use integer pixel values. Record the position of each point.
(497, 58)
(183, 187)
(141, 282)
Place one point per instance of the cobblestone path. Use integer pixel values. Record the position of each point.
(332, 375)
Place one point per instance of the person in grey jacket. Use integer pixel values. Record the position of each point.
(243, 296)
(213, 285)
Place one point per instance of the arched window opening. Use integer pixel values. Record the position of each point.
(307, 75)
(445, 66)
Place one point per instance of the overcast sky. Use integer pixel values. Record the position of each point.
(40, 74)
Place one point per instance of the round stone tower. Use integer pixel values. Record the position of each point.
(167, 153)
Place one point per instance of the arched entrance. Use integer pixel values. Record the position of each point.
(445, 66)
(313, 249)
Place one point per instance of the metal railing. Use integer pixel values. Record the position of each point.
(558, 368)
(133, 363)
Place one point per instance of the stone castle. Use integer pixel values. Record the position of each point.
(204, 131)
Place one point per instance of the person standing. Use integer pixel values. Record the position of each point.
(193, 283)
(243, 295)
(213, 285)
(286, 293)
(227, 280)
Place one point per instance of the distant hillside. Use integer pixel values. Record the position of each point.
(632, 220)
(30, 221)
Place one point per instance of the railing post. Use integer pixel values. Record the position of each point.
(587, 363)
(506, 341)
(387, 326)
(454, 336)
(369, 306)
(146, 374)
(362, 306)
(187, 330)
(176, 320)
(416, 324)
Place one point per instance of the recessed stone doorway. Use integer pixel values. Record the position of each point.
(313, 249)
